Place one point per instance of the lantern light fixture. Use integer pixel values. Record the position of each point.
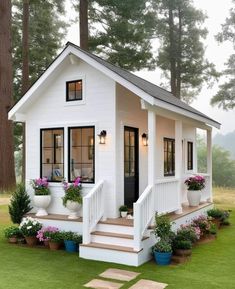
(102, 136)
(145, 139)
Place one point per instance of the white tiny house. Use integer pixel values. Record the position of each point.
(129, 141)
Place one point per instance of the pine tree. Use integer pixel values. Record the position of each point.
(7, 171)
(20, 204)
(225, 97)
(180, 30)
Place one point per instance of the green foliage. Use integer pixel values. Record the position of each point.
(73, 193)
(163, 226)
(213, 229)
(215, 213)
(19, 204)
(225, 97)
(123, 208)
(182, 245)
(56, 237)
(12, 231)
(30, 227)
(71, 236)
(163, 246)
(223, 169)
(180, 30)
(186, 233)
(120, 32)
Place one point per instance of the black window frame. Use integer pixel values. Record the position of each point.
(67, 90)
(189, 156)
(172, 157)
(54, 157)
(69, 152)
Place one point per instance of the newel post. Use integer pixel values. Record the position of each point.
(85, 224)
(178, 161)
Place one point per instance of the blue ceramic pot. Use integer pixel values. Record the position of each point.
(162, 258)
(70, 246)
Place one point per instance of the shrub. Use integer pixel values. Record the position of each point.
(41, 233)
(12, 231)
(40, 187)
(215, 213)
(203, 223)
(162, 246)
(71, 236)
(72, 192)
(30, 227)
(19, 204)
(163, 227)
(182, 245)
(56, 237)
(123, 208)
(187, 233)
(213, 229)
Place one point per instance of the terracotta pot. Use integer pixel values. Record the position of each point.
(54, 245)
(183, 253)
(194, 198)
(46, 243)
(217, 222)
(13, 240)
(42, 202)
(31, 240)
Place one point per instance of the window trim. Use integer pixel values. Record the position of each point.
(192, 156)
(69, 152)
(168, 174)
(67, 90)
(41, 131)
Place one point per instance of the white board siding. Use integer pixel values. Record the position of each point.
(51, 110)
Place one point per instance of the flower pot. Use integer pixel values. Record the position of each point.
(31, 240)
(194, 198)
(162, 258)
(13, 240)
(73, 207)
(183, 253)
(217, 222)
(42, 202)
(54, 245)
(123, 214)
(70, 246)
(46, 243)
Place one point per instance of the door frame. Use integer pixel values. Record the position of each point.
(136, 131)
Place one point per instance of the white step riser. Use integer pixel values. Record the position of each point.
(115, 229)
(112, 241)
(111, 256)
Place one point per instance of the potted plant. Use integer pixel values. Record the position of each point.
(195, 185)
(71, 241)
(72, 199)
(42, 196)
(123, 211)
(204, 224)
(216, 216)
(182, 247)
(12, 233)
(162, 252)
(29, 228)
(41, 234)
(55, 239)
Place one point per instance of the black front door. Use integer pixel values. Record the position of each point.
(131, 166)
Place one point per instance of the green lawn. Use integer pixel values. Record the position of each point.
(212, 265)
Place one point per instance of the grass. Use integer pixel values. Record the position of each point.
(212, 265)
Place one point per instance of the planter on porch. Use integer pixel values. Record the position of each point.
(194, 198)
(73, 207)
(42, 203)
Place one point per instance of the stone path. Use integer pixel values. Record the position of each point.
(122, 275)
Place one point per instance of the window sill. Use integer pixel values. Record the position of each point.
(75, 103)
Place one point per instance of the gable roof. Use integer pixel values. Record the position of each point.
(147, 87)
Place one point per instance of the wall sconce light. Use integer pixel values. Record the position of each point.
(145, 139)
(102, 136)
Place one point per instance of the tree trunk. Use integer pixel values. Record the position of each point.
(83, 15)
(179, 56)
(172, 51)
(7, 168)
(25, 72)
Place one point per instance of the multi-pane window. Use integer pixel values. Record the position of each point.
(52, 154)
(74, 90)
(169, 157)
(82, 154)
(190, 155)
(130, 156)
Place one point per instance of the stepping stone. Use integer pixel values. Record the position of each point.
(117, 274)
(147, 284)
(101, 284)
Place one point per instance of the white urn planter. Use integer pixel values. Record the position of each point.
(42, 202)
(124, 214)
(73, 207)
(194, 198)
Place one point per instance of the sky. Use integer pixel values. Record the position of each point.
(217, 11)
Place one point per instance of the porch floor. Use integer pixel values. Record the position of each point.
(123, 221)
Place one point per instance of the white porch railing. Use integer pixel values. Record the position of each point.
(93, 210)
(143, 214)
(206, 192)
(167, 195)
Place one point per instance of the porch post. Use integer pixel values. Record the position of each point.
(178, 161)
(152, 147)
(209, 162)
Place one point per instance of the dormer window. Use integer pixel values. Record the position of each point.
(74, 90)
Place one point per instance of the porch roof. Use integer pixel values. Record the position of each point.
(150, 89)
